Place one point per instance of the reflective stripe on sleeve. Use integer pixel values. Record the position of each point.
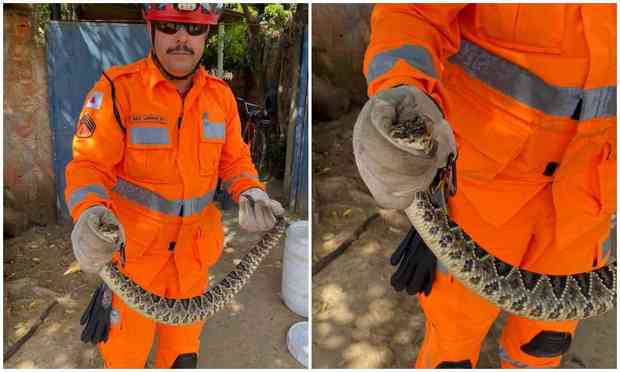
(227, 183)
(416, 56)
(80, 194)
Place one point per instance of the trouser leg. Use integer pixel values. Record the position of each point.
(457, 320)
(178, 346)
(527, 343)
(130, 340)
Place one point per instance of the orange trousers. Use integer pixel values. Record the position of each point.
(457, 320)
(132, 335)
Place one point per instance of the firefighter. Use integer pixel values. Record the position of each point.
(152, 140)
(525, 97)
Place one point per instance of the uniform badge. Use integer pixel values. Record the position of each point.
(86, 127)
(94, 100)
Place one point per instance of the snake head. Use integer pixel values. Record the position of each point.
(414, 134)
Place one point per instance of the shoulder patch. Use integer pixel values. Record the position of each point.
(86, 127)
(94, 100)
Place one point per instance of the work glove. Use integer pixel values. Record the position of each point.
(393, 170)
(96, 317)
(257, 212)
(95, 236)
(416, 265)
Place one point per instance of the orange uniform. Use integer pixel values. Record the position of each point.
(530, 92)
(154, 160)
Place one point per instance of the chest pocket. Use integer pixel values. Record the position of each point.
(150, 154)
(212, 138)
(530, 28)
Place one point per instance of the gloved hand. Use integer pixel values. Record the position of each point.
(417, 265)
(94, 240)
(257, 212)
(96, 317)
(393, 171)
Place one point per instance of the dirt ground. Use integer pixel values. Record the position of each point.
(359, 321)
(248, 333)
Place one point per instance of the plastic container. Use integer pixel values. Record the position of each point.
(297, 342)
(295, 272)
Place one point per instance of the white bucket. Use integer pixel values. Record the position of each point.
(295, 273)
(297, 342)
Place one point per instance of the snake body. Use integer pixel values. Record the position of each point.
(524, 293)
(194, 309)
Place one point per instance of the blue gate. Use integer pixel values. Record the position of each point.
(298, 197)
(77, 54)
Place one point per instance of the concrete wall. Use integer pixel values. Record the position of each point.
(28, 171)
(340, 35)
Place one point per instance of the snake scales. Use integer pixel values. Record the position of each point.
(187, 310)
(528, 294)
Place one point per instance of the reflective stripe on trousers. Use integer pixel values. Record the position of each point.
(158, 203)
(505, 357)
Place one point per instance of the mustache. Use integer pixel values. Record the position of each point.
(180, 48)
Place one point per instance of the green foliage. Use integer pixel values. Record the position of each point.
(234, 47)
(42, 14)
(272, 18)
(275, 17)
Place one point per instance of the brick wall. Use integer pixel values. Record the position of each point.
(28, 166)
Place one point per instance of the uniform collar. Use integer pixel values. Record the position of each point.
(153, 75)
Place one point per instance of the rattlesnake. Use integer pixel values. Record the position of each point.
(188, 310)
(528, 294)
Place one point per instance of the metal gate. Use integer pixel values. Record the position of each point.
(77, 54)
(298, 197)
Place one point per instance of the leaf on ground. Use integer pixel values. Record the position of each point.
(347, 212)
(21, 329)
(323, 307)
(328, 236)
(74, 267)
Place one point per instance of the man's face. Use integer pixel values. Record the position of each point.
(179, 52)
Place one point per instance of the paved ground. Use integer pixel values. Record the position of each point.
(359, 321)
(249, 333)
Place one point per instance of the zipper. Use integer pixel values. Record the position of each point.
(179, 122)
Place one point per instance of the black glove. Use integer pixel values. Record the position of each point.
(97, 316)
(417, 265)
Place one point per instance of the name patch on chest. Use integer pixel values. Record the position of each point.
(148, 118)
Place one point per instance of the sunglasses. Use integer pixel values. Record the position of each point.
(171, 28)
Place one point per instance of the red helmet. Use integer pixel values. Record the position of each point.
(202, 13)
